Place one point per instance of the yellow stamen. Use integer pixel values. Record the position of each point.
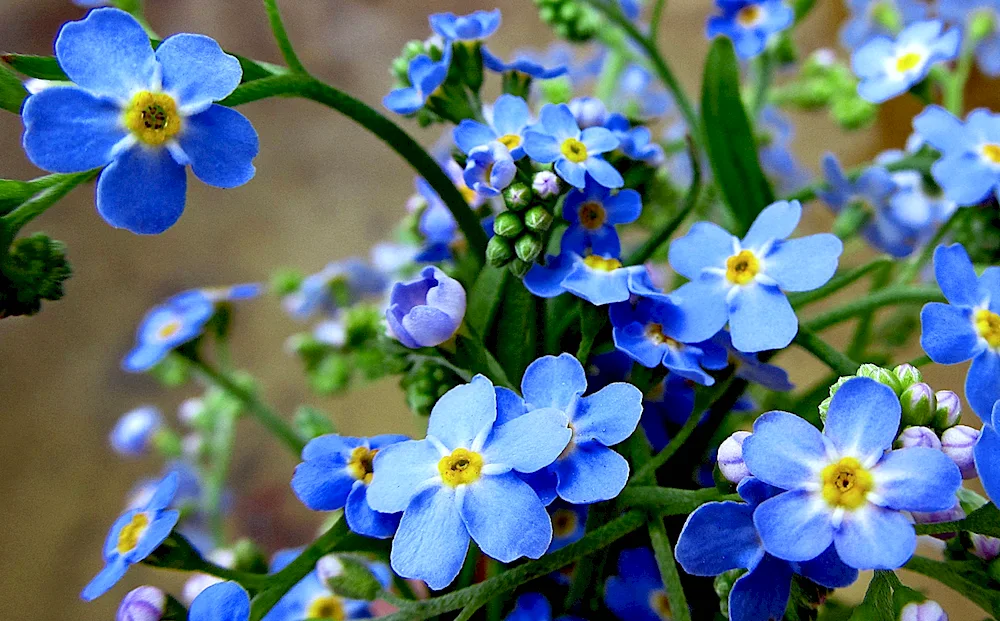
(467, 193)
(511, 141)
(599, 263)
(742, 268)
(168, 329)
(660, 604)
(152, 118)
(846, 483)
(574, 150)
(564, 523)
(592, 215)
(749, 16)
(988, 326)
(461, 467)
(129, 536)
(654, 332)
(360, 463)
(991, 152)
(908, 62)
(326, 607)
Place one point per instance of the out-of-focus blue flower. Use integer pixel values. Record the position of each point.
(226, 601)
(144, 115)
(134, 536)
(776, 155)
(592, 214)
(475, 26)
(845, 486)
(720, 536)
(522, 63)
(558, 139)
(635, 142)
(750, 23)
(425, 76)
(146, 603)
(968, 327)
(510, 118)
(664, 413)
(631, 8)
(744, 281)
(134, 431)
(178, 320)
(987, 454)
(427, 311)
(913, 205)
(435, 223)
(868, 18)
(461, 482)
(336, 472)
(339, 284)
(637, 593)
(588, 111)
(569, 523)
(972, 15)
(587, 471)
(489, 169)
(534, 607)
(311, 598)
(888, 67)
(598, 279)
(639, 94)
(750, 368)
(969, 168)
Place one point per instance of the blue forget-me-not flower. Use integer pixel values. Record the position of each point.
(311, 597)
(969, 168)
(225, 601)
(133, 434)
(534, 607)
(598, 279)
(475, 26)
(875, 17)
(592, 214)
(511, 117)
(750, 23)
(888, 67)
(425, 76)
(427, 311)
(522, 63)
(558, 139)
(489, 169)
(987, 454)
(636, 593)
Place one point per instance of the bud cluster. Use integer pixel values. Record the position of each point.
(520, 231)
(571, 20)
(825, 82)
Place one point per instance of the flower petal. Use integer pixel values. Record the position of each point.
(718, 537)
(506, 518)
(777, 221)
(794, 526)
(67, 129)
(553, 382)
(982, 384)
(471, 134)
(591, 473)
(103, 581)
(364, 520)
(558, 122)
(221, 144)
(955, 275)
(805, 263)
(598, 140)
(541, 147)
(987, 455)
(624, 207)
(875, 538)
(463, 413)
(947, 333)
(323, 483)
(225, 601)
(530, 442)
(142, 191)
(703, 310)
(400, 470)
(763, 592)
(602, 172)
(432, 539)
(608, 416)
(917, 479)
(784, 450)
(863, 419)
(761, 318)
(196, 71)
(828, 570)
(705, 245)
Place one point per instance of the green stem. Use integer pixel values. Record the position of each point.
(838, 282)
(668, 570)
(954, 89)
(662, 235)
(221, 449)
(920, 361)
(612, 71)
(281, 37)
(250, 581)
(27, 211)
(308, 87)
(656, 19)
(513, 578)
(891, 296)
(264, 414)
(825, 352)
(763, 75)
(920, 162)
(911, 268)
(664, 501)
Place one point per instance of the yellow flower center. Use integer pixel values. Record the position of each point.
(152, 118)
(992, 152)
(326, 607)
(129, 536)
(592, 215)
(564, 523)
(660, 604)
(742, 268)
(360, 464)
(511, 141)
(846, 483)
(467, 193)
(749, 16)
(599, 263)
(908, 62)
(988, 326)
(168, 329)
(461, 467)
(654, 332)
(574, 150)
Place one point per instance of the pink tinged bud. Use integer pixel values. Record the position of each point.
(147, 603)
(986, 548)
(927, 611)
(949, 409)
(919, 436)
(545, 184)
(949, 515)
(919, 404)
(957, 443)
(731, 462)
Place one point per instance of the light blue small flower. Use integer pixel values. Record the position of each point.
(636, 593)
(475, 26)
(143, 115)
(336, 472)
(133, 434)
(427, 311)
(339, 284)
(461, 482)
(592, 214)
(134, 536)
(588, 111)
(598, 279)
(845, 486)
(867, 16)
(987, 454)
(968, 327)
(523, 63)
(744, 281)
(969, 168)
(965, 13)
(489, 169)
(888, 68)
(534, 607)
(639, 94)
(776, 156)
(311, 598)
(635, 142)
(511, 117)
(425, 76)
(750, 23)
(558, 139)
(225, 601)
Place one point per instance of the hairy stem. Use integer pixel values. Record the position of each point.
(668, 570)
(891, 296)
(826, 353)
(281, 37)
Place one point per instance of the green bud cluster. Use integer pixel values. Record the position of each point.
(520, 231)
(34, 271)
(426, 382)
(827, 83)
(572, 20)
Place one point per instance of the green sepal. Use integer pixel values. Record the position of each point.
(13, 193)
(174, 370)
(249, 557)
(176, 552)
(877, 605)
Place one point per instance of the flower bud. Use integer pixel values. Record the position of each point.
(919, 404)
(147, 603)
(248, 557)
(853, 113)
(588, 111)
(887, 15)
(882, 376)
(528, 247)
(133, 434)
(519, 268)
(538, 219)
(949, 409)
(508, 225)
(545, 184)
(985, 547)
(517, 196)
(983, 24)
(936, 517)
(919, 437)
(908, 375)
(927, 611)
(439, 302)
(190, 411)
(730, 455)
(957, 443)
(498, 251)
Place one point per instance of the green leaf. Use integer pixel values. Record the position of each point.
(12, 92)
(878, 605)
(732, 149)
(13, 193)
(517, 329)
(484, 298)
(471, 354)
(985, 521)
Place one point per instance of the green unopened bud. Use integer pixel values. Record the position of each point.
(538, 219)
(908, 375)
(312, 423)
(557, 91)
(919, 404)
(882, 376)
(498, 251)
(517, 196)
(348, 577)
(528, 247)
(853, 112)
(824, 406)
(970, 500)
(286, 281)
(247, 556)
(949, 410)
(982, 25)
(886, 14)
(571, 19)
(519, 268)
(34, 271)
(508, 224)
(362, 324)
(331, 375)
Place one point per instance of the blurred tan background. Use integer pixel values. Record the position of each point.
(324, 190)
